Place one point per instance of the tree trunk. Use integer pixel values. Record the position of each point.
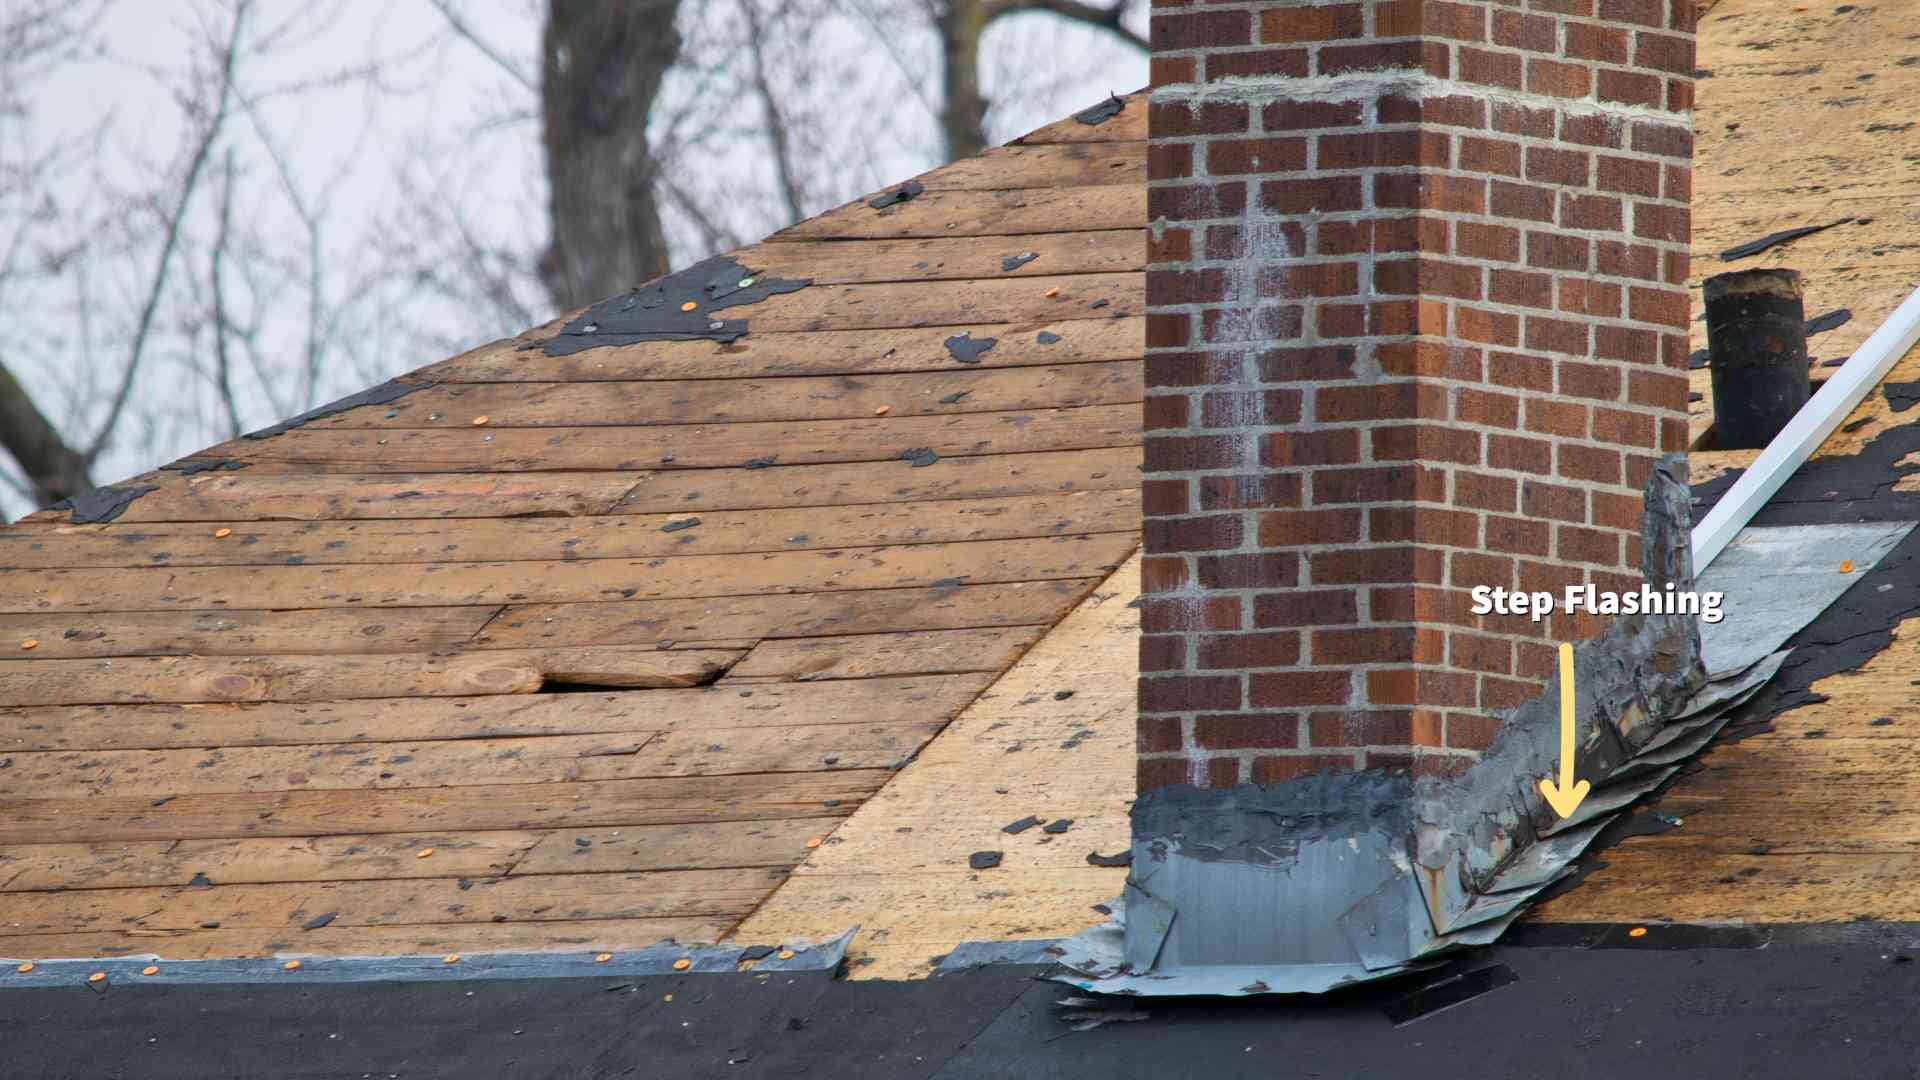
(601, 68)
(55, 470)
(964, 117)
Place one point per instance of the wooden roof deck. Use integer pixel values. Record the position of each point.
(413, 682)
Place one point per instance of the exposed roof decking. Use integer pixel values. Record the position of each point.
(261, 694)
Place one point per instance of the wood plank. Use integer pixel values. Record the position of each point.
(254, 495)
(979, 213)
(898, 866)
(185, 679)
(1081, 338)
(556, 581)
(732, 401)
(844, 262)
(391, 720)
(1129, 124)
(151, 864)
(712, 751)
(957, 477)
(1043, 165)
(413, 901)
(928, 303)
(72, 634)
(584, 936)
(346, 631)
(865, 611)
(489, 807)
(621, 536)
(688, 446)
(866, 655)
(672, 847)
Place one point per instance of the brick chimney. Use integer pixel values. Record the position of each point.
(1417, 323)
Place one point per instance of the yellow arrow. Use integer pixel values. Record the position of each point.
(1565, 796)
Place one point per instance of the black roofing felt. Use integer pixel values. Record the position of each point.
(1695, 1005)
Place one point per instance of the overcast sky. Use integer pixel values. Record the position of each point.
(382, 163)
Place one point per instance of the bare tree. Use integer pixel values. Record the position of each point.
(600, 73)
(963, 25)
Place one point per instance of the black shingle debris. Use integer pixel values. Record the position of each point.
(1055, 828)
(1015, 828)
(1755, 247)
(1095, 115)
(1832, 320)
(919, 456)
(189, 467)
(904, 193)
(964, 348)
(660, 311)
(1046, 337)
(1094, 858)
(1014, 262)
(984, 860)
(102, 503)
(319, 921)
(392, 390)
(676, 526)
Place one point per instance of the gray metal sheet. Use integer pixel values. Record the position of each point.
(1778, 579)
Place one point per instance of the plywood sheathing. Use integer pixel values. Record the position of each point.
(1052, 739)
(580, 652)
(1809, 116)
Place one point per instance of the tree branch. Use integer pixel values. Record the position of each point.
(776, 124)
(172, 238)
(55, 470)
(446, 12)
(1104, 18)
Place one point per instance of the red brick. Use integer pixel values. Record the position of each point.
(1486, 68)
(1589, 545)
(1629, 87)
(1453, 110)
(1169, 120)
(1558, 80)
(1430, 191)
(1247, 731)
(1428, 56)
(1424, 687)
(1169, 70)
(1233, 156)
(1314, 363)
(1427, 277)
(1265, 570)
(1372, 727)
(1299, 115)
(1297, 528)
(1598, 381)
(1567, 420)
(1162, 411)
(1429, 360)
(1557, 335)
(1517, 536)
(1175, 31)
(1595, 213)
(1520, 288)
(1356, 646)
(1166, 615)
(1289, 689)
(1273, 648)
(1190, 693)
(1622, 428)
(1369, 565)
(1163, 497)
(1152, 774)
(1380, 401)
(1590, 464)
(1156, 735)
(1486, 327)
(1299, 280)
(1193, 202)
(1306, 607)
(1664, 307)
(1326, 22)
(1539, 499)
(1423, 525)
(1557, 251)
(1172, 287)
(1186, 453)
(1591, 130)
(1520, 371)
(1307, 195)
(1384, 149)
(1661, 52)
(1654, 222)
(1476, 652)
(1587, 41)
(1257, 63)
(1519, 454)
(1271, 769)
(1633, 345)
(1489, 156)
(1509, 200)
(1426, 443)
(1529, 33)
(1487, 408)
(1341, 320)
(1495, 243)
(1212, 532)
(1617, 259)
(1481, 491)
(1523, 120)
(1257, 491)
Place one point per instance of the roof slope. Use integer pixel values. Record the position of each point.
(305, 694)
